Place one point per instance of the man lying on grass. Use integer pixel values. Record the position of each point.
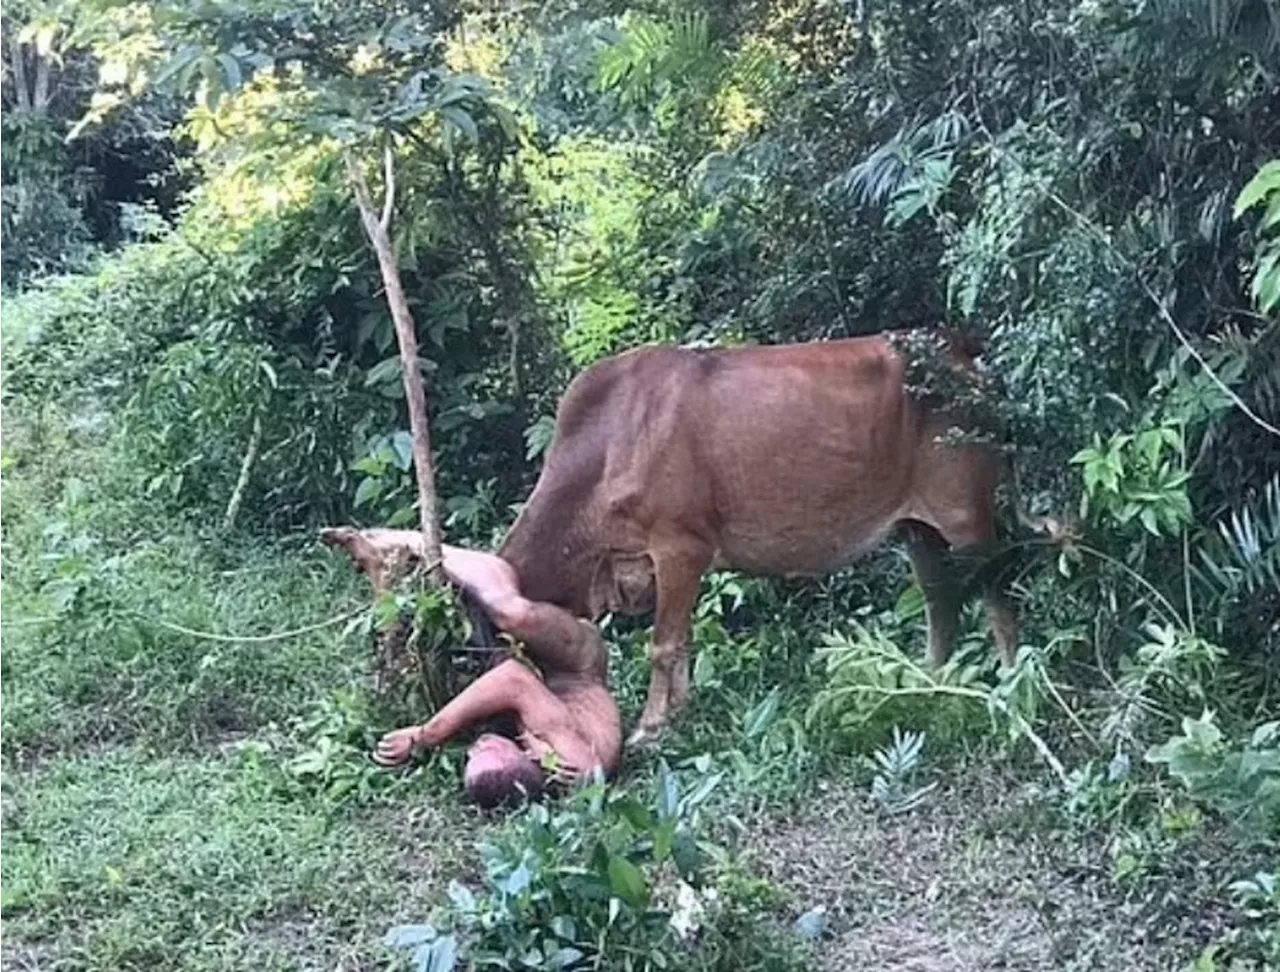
(569, 727)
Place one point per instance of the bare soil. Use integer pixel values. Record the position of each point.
(973, 881)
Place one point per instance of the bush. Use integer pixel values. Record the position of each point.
(605, 882)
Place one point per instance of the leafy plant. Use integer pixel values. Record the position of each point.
(895, 766)
(1263, 190)
(1244, 557)
(1138, 476)
(328, 752)
(1258, 898)
(602, 881)
(1241, 780)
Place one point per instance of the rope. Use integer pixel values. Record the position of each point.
(253, 639)
(24, 622)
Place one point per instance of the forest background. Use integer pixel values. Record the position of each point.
(200, 369)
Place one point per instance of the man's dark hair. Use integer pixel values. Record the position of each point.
(514, 781)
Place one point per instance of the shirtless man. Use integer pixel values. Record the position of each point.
(569, 725)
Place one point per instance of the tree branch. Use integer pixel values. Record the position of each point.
(242, 481)
(415, 393)
(40, 94)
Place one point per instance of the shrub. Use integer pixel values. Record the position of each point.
(604, 881)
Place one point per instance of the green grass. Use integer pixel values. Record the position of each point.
(125, 860)
(139, 831)
(92, 657)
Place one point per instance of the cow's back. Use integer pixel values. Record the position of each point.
(783, 459)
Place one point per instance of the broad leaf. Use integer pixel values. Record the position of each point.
(627, 882)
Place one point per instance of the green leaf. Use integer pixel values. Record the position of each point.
(1271, 218)
(698, 795)
(635, 813)
(564, 958)
(408, 936)
(232, 79)
(385, 371)
(704, 669)
(664, 840)
(668, 791)
(686, 853)
(461, 120)
(626, 882)
(910, 603)
(1266, 281)
(517, 881)
(368, 491)
(1258, 188)
(1148, 518)
(402, 445)
(761, 717)
(462, 898)
(442, 956)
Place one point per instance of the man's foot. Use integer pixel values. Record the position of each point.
(645, 736)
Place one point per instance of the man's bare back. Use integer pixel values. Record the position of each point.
(569, 723)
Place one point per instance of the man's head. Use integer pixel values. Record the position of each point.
(498, 770)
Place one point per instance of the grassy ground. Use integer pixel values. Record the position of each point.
(125, 860)
(148, 824)
(174, 801)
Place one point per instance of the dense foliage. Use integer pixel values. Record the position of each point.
(198, 351)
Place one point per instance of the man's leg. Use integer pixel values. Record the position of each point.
(554, 637)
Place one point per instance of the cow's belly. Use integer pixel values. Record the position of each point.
(815, 545)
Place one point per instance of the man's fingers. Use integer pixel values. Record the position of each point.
(390, 755)
(394, 748)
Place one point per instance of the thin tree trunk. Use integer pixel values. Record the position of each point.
(242, 481)
(377, 228)
(19, 67)
(40, 96)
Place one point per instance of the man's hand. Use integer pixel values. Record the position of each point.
(396, 747)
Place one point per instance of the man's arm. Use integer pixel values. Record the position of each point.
(499, 691)
(508, 689)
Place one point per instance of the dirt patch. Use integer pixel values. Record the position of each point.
(965, 883)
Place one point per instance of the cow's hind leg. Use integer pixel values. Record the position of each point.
(678, 578)
(1003, 620)
(942, 597)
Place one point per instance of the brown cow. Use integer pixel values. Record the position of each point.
(787, 460)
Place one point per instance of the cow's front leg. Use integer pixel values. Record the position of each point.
(678, 580)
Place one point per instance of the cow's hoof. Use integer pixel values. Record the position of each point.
(644, 737)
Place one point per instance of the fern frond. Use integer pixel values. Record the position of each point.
(1243, 556)
(888, 169)
(891, 787)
